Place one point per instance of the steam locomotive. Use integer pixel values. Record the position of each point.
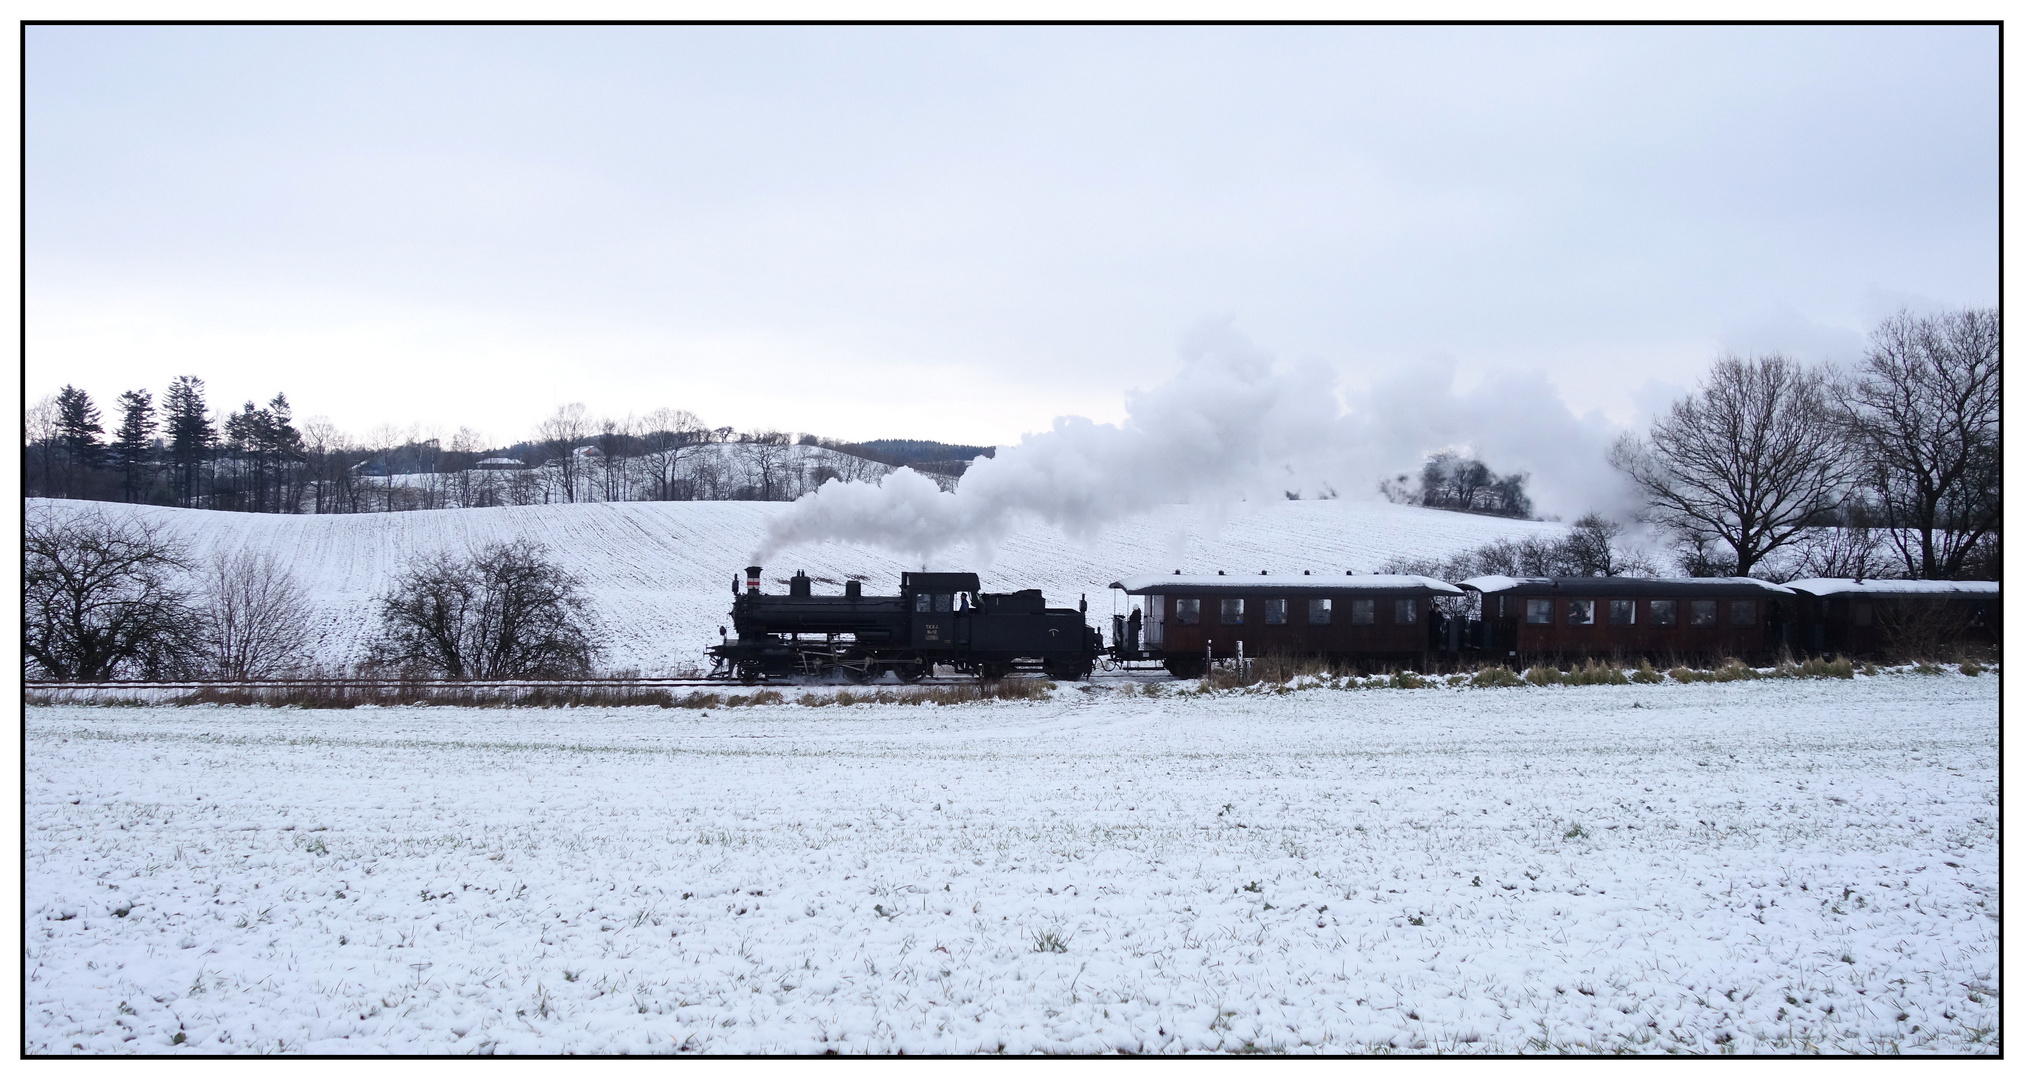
(935, 619)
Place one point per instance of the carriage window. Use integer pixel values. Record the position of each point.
(1405, 611)
(1539, 613)
(1862, 613)
(1700, 613)
(1581, 613)
(944, 601)
(1623, 613)
(923, 602)
(1665, 613)
(1362, 612)
(1187, 612)
(1275, 612)
(1319, 611)
(1233, 611)
(1743, 613)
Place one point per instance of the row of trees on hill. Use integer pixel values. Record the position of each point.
(259, 458)
(1894, 467)
(116, 597)
(1776, 469)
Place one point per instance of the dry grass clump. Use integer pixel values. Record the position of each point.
(1498, 675)
(1596, 673)
(1968, 668)
(957, 694)
(1645, 673)
(1544, 675)
(1283, 667)
(352, 695)
(1815, 668)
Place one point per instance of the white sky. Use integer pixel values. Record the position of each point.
(960, 233)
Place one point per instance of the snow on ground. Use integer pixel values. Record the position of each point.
(1755, 866)
(660, 574)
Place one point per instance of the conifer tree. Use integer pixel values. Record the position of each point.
(132, 447)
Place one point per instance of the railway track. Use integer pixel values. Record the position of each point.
(611, 683)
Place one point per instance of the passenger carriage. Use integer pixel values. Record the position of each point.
(1370, 620)
(1524, 620)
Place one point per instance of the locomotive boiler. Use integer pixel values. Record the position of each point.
(937, 618)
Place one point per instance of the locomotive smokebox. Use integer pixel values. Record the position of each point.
(752, 579)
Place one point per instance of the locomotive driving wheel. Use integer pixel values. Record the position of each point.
(748, 672)
(910, 672)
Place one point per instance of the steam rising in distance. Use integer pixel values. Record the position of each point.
(1232, 425)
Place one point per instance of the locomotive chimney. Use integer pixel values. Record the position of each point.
(751, 579)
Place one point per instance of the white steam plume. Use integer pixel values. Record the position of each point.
(1231, 425)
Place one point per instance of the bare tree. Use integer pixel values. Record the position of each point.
(666, 435)
(101, 598)
(1750, 459)
(768, 461)
(560, 435)
(1924, 410)
(39, 425)
(506, 611)
(257, 621)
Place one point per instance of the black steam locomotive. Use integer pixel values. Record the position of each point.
(936, 619)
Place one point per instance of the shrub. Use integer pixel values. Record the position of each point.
(1970, 668)
(1646, 673)
(504, 612)
(256, 621)
(100, 599)
(1686, 674)
(1408, 680)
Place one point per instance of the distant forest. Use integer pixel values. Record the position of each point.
(258, 458)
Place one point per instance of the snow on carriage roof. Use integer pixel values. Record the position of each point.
(1139, 583)
(1599, 586)
(1893, 587)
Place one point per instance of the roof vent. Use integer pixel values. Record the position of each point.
(1177, 573)
(1261, 573)
(1219, 573)
(1305, 573)
(1349, 573)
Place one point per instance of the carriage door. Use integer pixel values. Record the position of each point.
(1156, 621)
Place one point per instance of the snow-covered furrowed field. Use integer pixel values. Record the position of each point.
(1763, 866)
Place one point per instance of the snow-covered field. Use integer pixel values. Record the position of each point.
(1755, 866)
(659, 574)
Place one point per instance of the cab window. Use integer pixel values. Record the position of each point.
(923, 602)
(944, 601)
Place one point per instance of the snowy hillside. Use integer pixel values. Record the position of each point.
(660, 573)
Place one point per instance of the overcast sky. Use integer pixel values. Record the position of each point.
(961, 233)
